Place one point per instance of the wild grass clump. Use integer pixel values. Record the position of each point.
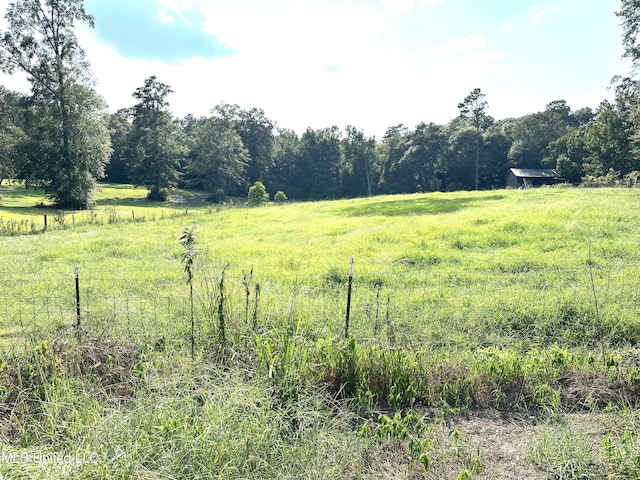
(12, 228)
(192, 422)
(546, 381)
(563, 453)
(283, 362)
(620, 445)
(434, 448)
(54, 383)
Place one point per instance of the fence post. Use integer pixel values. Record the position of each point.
(255, 309)
(391, 334)
(78, 314)
(45, 223)
(349, 288)
(221, 314)
(375, 322)
(246, 281)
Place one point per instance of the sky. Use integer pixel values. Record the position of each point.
(372, 64)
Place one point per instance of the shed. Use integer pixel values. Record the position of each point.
(532, 177)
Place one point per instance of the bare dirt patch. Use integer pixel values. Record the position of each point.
(505, 441)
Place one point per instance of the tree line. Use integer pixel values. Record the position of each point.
(61, 138)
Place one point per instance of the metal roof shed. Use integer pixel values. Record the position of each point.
(532, 177)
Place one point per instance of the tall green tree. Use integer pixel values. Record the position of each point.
(256, 131)
(358, 169)
(120, 126)
(532, 133)
(155, 145)
(462, 154)
(494, 161)
(40, 41)
(390, 153)
(608, 141)
(218, 158)
(629, 15)
(317, 170)
(425, 155)
(11, 133)
(567, 155)
(628, 88)
(414, 161)
(473, 110)
(285, 157)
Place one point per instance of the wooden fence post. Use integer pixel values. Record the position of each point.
(349, 288)
(221, 313)
(255, 309)
(78, 313)
(391, 334)
(246, 281)
(375, 322)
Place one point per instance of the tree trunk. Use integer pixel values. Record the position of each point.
(477, 156)
(63, 103)
(368, 173)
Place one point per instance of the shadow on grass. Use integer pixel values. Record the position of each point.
(21, 196)
(120, 195)
(16, 199)
(426, 205)
(127, 202)
(27, 211)
(20, 201)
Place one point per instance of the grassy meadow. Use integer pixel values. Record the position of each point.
(523, 302)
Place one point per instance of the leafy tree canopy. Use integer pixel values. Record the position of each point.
(67, 146)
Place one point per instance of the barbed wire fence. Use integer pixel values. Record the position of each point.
(410, 306)
(55, 220)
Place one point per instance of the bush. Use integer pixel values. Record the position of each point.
(158, 195)
(611, 179)
(280, 197)
(631, 179)
(257, 194)
(217, 196)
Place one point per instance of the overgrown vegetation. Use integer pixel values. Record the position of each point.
(519, 302)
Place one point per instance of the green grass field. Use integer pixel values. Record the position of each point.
(526, 302)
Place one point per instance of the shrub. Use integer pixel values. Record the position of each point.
(611, 179)
(257, 194)
(158, 195)
(631, 179)
(280, 197)
(218, 196)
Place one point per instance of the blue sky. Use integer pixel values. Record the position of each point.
(147, 30)
(368, 63)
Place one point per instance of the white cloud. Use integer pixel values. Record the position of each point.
(408, 5)
(317, 33)
(458, 45)
(281, 67)
(538, 14)
(169, 9)
(166, 17)
(284, 50)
